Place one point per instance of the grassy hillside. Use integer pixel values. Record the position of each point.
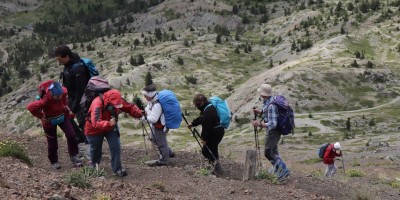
(323, 57)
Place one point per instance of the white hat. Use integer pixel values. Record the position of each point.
(265, 90)
(149, 91)
(336, 146)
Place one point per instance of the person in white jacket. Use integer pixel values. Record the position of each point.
(155, 116)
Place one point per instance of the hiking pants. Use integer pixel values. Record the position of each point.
(330, 170)
(271, 145)
(52, 143)
(160, 140)
(96, 147)
(212, 143)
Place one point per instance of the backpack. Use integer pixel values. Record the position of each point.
(223, 111)
(90, 66)
(285, 115)
(95, 87)
(322, 149)
(171, 108)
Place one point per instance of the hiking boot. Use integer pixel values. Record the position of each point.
(172, 155)
(56, 166)
(284, 175)
(217, 169)
(121, 173)
(76, 161)
(155, 163)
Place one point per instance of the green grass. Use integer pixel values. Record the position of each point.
(306, 129)
(311, 161)
(14, 149)
(354, 173)
(204, 171)
(360, 44)
(77, 179)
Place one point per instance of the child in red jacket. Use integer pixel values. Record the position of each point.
(51, 108)
(331, 152)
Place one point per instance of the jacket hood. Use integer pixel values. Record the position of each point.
(112, 97)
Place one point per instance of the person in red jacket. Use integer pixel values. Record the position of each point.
(102, 123)
(331, 152)
(51, 107)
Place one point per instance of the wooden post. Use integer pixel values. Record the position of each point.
(250, 165)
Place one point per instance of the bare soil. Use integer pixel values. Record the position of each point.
(180, 180)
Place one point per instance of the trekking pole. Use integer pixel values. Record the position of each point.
(144, 138)
(257, 141)
(344, 171)
(154, 137)
(194, 132)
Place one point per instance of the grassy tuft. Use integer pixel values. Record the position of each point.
(15, 150)
(159, 185)
(77, 179)
(355, 173)
(204, 171)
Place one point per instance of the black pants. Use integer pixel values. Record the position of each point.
(212, 143)
(79, 128)
(271, 145)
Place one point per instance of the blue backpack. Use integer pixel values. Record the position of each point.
(171, 108)
(223, 111)
(88, 63)
(285, 115)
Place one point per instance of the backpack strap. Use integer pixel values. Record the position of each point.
(219, 122)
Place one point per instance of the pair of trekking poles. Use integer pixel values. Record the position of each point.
(257, 141)
(194, 132)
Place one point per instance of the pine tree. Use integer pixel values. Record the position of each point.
(348, 124)
(148, 79)
(140, 60)
(218, 40)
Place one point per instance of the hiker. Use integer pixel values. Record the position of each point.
(273, 135)
(332, 150)
(211, 133)
(102, 123)
(51, 107)
(75, 80)
(154, 115)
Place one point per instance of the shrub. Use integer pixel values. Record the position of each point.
(191, 79)
(15, 150)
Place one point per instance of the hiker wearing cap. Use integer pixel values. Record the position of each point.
(273, 135)
(51, 108)
(102, 123)
(75, 77)
(154, 115)
(211, 131)
(331, 152)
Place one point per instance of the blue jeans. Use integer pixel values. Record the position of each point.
(96, 146)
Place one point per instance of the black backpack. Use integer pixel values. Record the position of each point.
(322, 149)
(95, 87)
